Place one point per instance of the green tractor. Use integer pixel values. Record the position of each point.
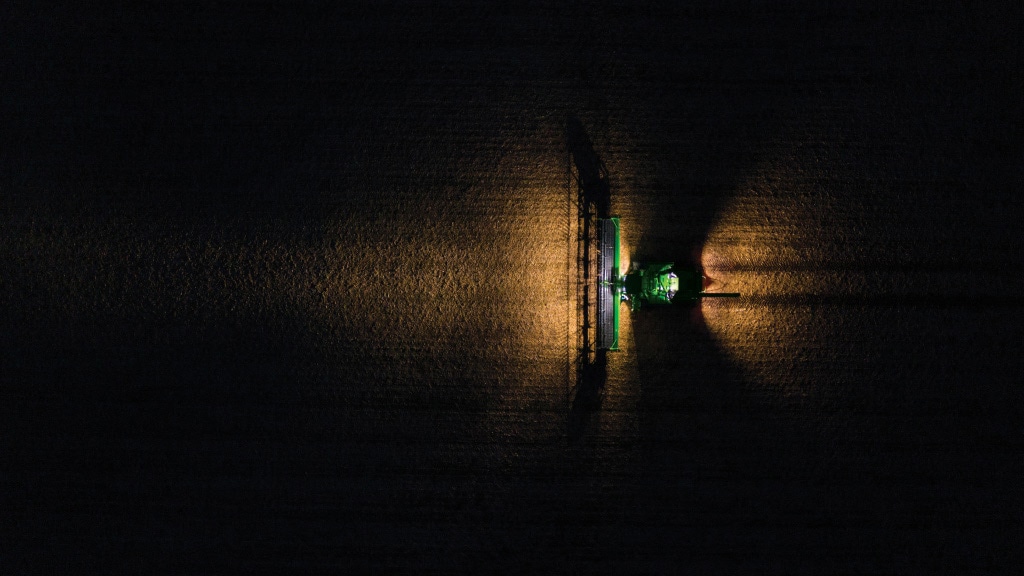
(662, 283)
(646, 284)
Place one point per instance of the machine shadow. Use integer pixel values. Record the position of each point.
(592, 196)
(588, 394)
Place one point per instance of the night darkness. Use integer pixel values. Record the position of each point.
(293, 287)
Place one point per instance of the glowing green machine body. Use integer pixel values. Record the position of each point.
(645, 284)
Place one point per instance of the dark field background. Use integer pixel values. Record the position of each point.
(290, 287)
